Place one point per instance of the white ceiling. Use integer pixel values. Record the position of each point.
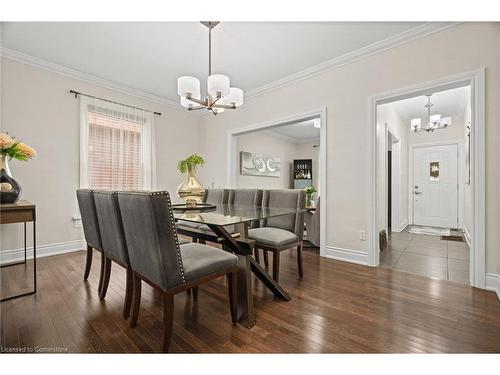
(446, 103)
(151, 56)
(300, 132)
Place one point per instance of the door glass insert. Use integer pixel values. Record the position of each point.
(434, 171)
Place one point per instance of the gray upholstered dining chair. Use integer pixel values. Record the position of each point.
(281, 232)
(245, 197)
(216, 196)
(212, 196)
(113, 243)
(157, 258)
(312, 220)
(239, 197)
(86, 204)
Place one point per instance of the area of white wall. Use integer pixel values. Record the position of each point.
(345, 91)
(388, 120)
(265, 143)
(467, 214)
(36, 107)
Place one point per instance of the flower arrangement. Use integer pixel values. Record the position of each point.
(310, 190)
(15, 149)
(190, 163)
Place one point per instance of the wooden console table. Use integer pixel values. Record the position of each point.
(20, 212)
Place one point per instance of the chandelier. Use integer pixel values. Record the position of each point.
(433, 121)
(220, 95)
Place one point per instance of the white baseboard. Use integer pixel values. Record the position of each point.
(467, 235)
(493, 283)
(347, 255)
(401, 226)
(16, 255)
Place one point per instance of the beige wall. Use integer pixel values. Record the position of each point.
(263, 142)
(36, 106)
(344, 91)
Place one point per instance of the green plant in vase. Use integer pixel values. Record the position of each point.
(190, 190)
(310, 195)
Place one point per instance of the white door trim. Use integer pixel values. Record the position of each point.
(397, 222)
(460, 175)
(476, 79)
(232, 157)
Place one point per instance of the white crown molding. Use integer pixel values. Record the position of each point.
(288, 138)
(76, 74)
(374, 48)
(361, 53)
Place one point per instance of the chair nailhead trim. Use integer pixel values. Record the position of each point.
(174, 229)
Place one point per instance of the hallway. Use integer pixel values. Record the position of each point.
(427, 256)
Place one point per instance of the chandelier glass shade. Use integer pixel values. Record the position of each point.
(220, 94)
(434, 122)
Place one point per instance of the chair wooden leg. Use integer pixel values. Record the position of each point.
(101, 275)
(105, 280)
(266, 260)
(168, 320)
(195, 293)
(188, 292)
(276, 265)
(88, 263)
(299, 260)
(136, 300)
(257, 254)
(232, 290)
(128, 294)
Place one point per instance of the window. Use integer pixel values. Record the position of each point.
(117, 149)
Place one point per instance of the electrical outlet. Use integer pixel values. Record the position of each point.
(77, 221)
(362, 235)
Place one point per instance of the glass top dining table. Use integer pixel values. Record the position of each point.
(229, 214)
(238, 242)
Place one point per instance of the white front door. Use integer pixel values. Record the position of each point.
(435, 186)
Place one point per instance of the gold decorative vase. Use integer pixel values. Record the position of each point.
(191, 191)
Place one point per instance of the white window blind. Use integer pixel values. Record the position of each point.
(117, 147)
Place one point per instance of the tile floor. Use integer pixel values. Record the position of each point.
(427, 255)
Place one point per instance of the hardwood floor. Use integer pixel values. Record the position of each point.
(337, 308)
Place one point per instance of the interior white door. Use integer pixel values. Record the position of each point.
(435, 186)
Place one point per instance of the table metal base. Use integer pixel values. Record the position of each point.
(243, 249)
(25, 262)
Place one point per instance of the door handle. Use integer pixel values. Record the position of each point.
(417, 193)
